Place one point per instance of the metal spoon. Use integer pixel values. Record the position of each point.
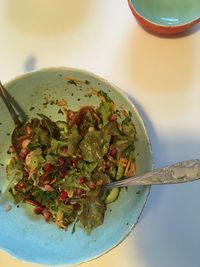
(181, 172)
(13, 113)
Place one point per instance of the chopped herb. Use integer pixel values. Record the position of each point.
(60, 75)
(117, 112)
(60, 111)
(74, 227)
(102, 144)
(31, 146)
(69, 161)
(102, 93)
(0, 123)
(8, 134)
(72, 82)
(127, 223)
(87, 82)
(88, 95)
(2, 164)
(32, 108)
(138, 192)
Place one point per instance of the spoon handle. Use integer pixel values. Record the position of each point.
(8, 105)
(181, 172)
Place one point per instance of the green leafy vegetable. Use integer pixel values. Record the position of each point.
(92, 214)
(94, 146)
(61, 166)
(104, 111)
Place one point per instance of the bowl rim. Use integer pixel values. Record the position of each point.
(153, 26)
(148, 188)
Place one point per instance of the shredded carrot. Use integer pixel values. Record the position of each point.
(127, 168)
(56, 202)
(25, 136)
(125, 112)
(132, 169)
(94, 91)
(112, 104)
(30, 173)
(123, 161)
(112, 159)
(62, 103)
(59, 220)
(99, 182)
(28, 129)
(66, 113)
(53, 181)
(74, 79)
(102, 98)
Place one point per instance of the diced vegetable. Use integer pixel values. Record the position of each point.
(34, 159)
(112, 196)
(60, 167)
(120, 172)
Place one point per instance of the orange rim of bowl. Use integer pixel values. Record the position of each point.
(157, 28)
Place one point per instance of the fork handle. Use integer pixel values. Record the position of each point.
(181, 172)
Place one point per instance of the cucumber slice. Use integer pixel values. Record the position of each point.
(113, 195)
(120, 172)
(62, 125)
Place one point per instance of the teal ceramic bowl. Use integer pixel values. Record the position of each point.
(29, 238)
(166, 16)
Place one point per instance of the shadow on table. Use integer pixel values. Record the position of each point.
(168, 232)
(30, 63)
(158, 155)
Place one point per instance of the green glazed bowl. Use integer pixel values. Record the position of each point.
(166, 16)
(26, 236)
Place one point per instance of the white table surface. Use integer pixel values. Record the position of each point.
(162, 75)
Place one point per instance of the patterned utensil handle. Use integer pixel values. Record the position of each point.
(181, 172)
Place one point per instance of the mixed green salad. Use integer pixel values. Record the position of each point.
(60, 167)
